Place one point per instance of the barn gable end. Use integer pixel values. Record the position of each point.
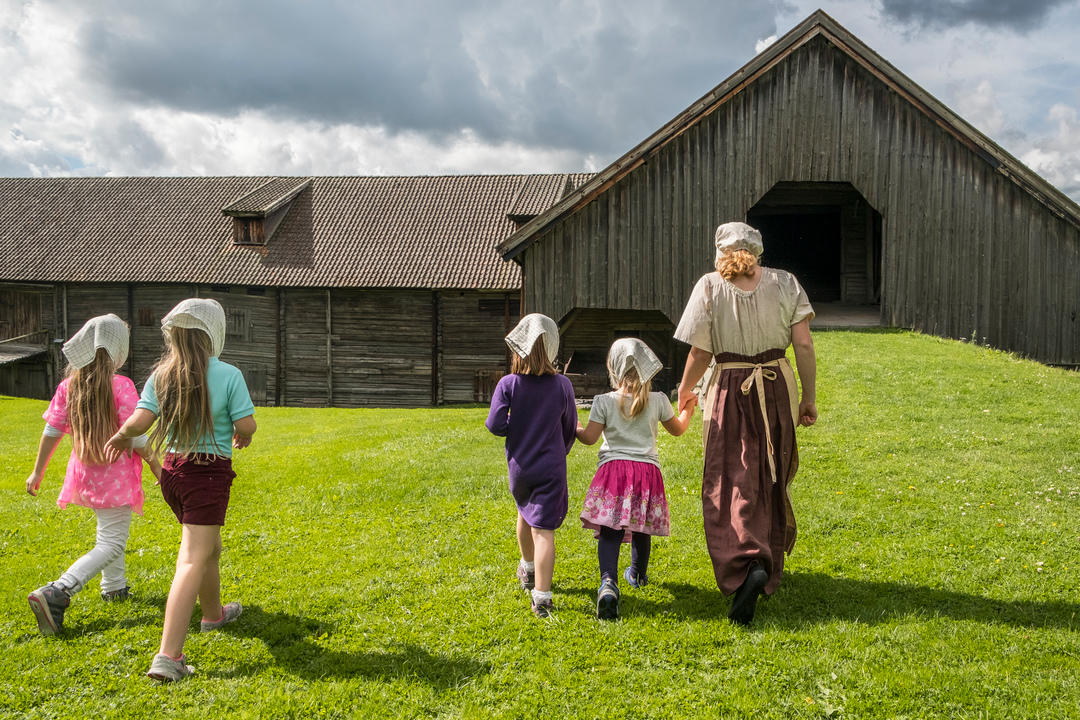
(958, 238)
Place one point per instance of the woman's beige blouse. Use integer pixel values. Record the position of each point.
(720, 317)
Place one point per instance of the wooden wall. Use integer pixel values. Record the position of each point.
(305, 346)
(967, 253)
(472, 351)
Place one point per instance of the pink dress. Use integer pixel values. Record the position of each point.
(100, 486)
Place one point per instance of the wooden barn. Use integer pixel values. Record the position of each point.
(345, 291)
(866, 187)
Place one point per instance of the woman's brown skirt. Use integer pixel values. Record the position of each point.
(747, 515)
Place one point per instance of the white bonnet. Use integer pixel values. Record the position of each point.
(200, 314)
(529, 329)
(626, 353)
(738, 236)
(103, 331)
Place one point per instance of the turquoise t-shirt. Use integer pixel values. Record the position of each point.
(229, 402)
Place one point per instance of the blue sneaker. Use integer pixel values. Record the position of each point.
(607, 600)
(635, 580)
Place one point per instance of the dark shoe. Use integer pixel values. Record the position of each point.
(746, 597)
(48, 605)
(607, 600)
(635, 580)
(543, 609)
(117, 595)
(526, 578)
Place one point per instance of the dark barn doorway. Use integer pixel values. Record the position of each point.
(827, 234)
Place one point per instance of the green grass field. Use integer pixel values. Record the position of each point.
(936, 573)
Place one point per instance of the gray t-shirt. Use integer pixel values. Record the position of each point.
(627, 438)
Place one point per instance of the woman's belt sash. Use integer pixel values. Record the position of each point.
(762, 371)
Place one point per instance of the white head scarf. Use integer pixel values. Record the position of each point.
(103, 331)
(200, 314)
(529, 329)
(738, 236)
(629, 353)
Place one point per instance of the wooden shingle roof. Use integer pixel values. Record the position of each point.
(418, 232)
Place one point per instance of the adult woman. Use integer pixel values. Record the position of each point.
(745, 315)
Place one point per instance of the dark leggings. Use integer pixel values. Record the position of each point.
(607, 550)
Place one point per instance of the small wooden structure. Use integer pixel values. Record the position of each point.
(864, 185)
(376, 292)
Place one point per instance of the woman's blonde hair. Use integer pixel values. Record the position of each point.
(182, 394)
(735, 263)
(91, 407)
(535, 363)
(639, 391)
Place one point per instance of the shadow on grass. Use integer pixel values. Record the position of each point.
(814, 598)
(291, 641)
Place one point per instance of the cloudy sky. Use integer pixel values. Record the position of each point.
(194, 87)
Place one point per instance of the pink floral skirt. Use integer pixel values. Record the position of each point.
(627, 495)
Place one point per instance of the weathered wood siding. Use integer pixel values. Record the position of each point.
(967, 253)
(382, 348)
(472, 349)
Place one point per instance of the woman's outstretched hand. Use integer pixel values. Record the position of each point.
(687, 398)
(807, 413)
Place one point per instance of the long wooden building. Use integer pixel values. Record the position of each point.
(397, 291)
(345, 291)
(865, 186)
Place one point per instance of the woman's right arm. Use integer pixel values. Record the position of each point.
(806, 363)
(697, 362)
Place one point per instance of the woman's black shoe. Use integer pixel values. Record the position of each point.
(745, 601)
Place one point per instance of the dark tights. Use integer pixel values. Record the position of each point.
(607, 550)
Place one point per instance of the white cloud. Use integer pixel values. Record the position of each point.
(1056, 157)
(764, 43)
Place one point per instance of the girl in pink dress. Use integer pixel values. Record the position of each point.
(626, 500)
(90, 404)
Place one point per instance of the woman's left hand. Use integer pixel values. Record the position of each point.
(807, 413)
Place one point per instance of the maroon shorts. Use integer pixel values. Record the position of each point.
(197, 489)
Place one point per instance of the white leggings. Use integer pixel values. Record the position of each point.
(107, 556)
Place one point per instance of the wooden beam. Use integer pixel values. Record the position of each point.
(329, 354)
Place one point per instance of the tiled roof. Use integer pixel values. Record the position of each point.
(538, 193)
(420, 232)
(265, 199)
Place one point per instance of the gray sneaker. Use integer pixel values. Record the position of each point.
(228, 613)
(165, 669)
(117, 595)
(607, 600)
(48, 604)
(526, 578)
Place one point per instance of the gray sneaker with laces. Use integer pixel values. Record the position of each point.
(165, 669)
(607, 600)
(228, 613)
(48, 604)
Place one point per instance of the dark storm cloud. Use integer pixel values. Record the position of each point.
(1015, 14)
(596, 77)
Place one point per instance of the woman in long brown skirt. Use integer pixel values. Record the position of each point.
(742, 318)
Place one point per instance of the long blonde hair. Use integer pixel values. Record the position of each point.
(735, 263)
(183, 397)
(639, 391)
(91, 407)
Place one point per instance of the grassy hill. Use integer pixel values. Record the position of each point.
(936, 573)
